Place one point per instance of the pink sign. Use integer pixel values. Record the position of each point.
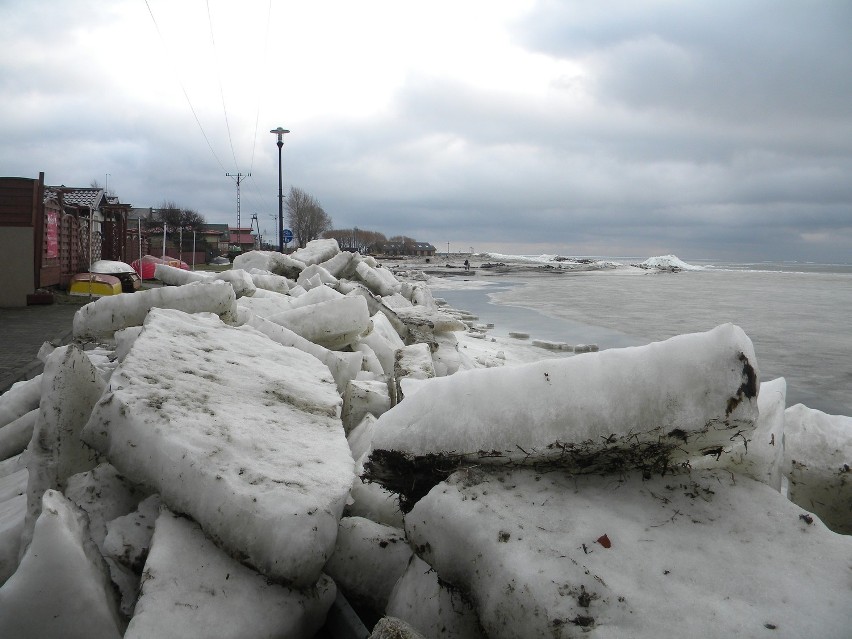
(51, 229)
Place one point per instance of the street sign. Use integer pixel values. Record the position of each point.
(288, 236)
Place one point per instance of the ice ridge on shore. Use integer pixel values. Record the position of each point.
(223, 456)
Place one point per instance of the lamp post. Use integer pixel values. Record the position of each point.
(280, 133)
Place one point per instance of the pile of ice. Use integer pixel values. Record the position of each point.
(671, 263)
(222, 456)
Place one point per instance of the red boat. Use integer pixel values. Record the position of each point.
(145, 267)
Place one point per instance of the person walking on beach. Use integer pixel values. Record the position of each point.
(466, 265)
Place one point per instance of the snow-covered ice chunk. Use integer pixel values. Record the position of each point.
(367, 561)
(552, 346)
(71, 388)
(178, 276)
(344, 366)
(104, 495)
(446, 359)
(267, 281)
(706, 553)
(383, 339)
(342, 265)
(396, 301)
(242, 282)
(818, 464)
(13, 510)
(760, 454)
(109, 314)
(370, 362)
(375, 503)
(61, 589)
(296, 291)
(311, 272)
(437, 321)
(362, 397)
(241, 433)
(15, 436)
(333, 324)
(420, 599)
(412, 362)
(621, 408)
(128, 537)
(20, 399)
(272, 261)
(369, 500)
(421, 295)
(316, 251)
(379, 280)
(668, 263)
(266, 303)
(315, 296)
(191, 588)
(14, 484)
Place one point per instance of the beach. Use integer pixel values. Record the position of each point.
(798, 318)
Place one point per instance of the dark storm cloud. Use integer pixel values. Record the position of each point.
(706, 129)
(729, 59)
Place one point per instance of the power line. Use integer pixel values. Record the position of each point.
(262, 75)
(221, 89)
(185, 94)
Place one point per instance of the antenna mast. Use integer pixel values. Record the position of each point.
(238, 178)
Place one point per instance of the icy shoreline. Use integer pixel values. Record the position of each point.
(206, 451)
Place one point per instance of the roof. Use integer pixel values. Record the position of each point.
(419, 246)
(91, 197)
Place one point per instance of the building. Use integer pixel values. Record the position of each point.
(418, 249)
(48, 234)
(240, 240)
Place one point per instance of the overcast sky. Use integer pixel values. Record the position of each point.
(711, 130)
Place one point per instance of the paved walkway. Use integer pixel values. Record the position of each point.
(22, 332)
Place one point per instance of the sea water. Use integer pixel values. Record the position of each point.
(799, 316)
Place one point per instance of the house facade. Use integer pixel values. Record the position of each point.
(417, 249)
(50, 233)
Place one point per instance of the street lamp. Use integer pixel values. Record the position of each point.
(280, 133)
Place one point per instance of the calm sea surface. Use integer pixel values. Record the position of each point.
(799, 316)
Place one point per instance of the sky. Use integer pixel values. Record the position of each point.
(708, 130)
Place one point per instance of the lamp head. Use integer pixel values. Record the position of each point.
(280, 132)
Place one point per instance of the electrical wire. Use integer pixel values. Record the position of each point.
(185, 94)
(221, 89)
(262, 75)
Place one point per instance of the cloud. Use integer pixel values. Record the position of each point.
(607, 127)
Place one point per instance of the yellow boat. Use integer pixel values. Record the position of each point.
(94, 285)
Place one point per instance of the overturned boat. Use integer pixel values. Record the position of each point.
(105, 277)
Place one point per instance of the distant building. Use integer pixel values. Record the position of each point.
(418, 249)
(240, 238)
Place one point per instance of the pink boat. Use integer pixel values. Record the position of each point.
(145, 267)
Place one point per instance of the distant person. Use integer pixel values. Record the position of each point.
(466, 265)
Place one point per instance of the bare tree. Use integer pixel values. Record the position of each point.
(175, 217)
(407, 243)
(94, 184)
(355, 239)
(306, 217)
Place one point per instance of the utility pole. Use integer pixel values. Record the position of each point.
(238, 178)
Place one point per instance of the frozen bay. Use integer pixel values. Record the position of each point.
(798, 320)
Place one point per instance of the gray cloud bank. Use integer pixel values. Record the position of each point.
(710, 130)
